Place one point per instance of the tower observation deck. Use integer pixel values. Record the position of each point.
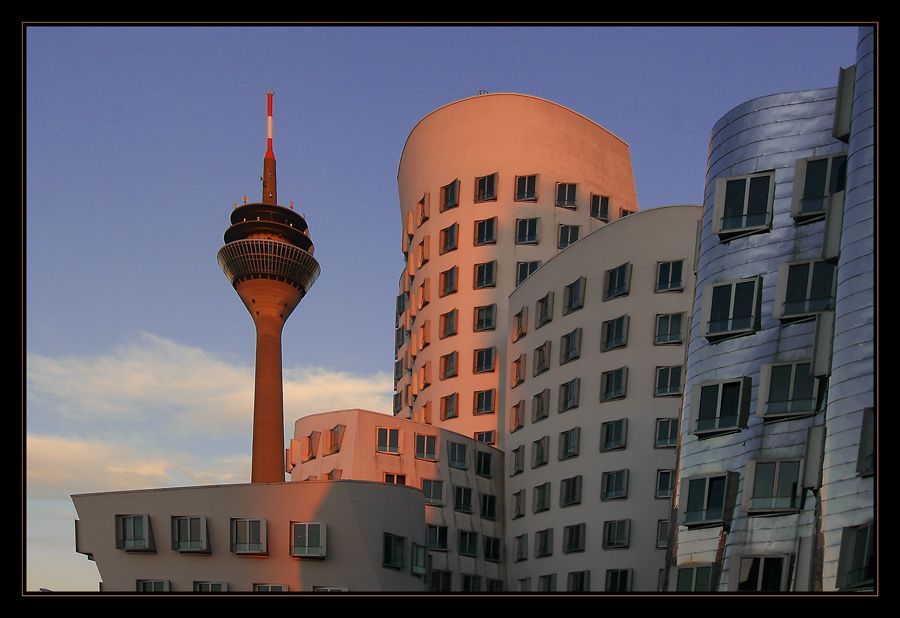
(268, 258)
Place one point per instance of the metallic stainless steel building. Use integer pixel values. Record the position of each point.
(776, 464)
(268, 259)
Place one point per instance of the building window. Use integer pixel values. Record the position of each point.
(486, 188)
(617, 281)
(308, 540)
(486, 275)
(819, 185)
(539, 452)
(449, 281)
(600, 207)
(436, 537)
(573, 538)
(518, 504)
(449, 238)
(541, 358)
(668, 276)
(517, 461)
(668, 381)
(518, 370)
(517, 416)
(468, 543)
(527, 231)
(543, 543)
(521, 544)
(544, 310)
(568, 394)
(720, 407)
(484, 402)
(424, 293)
(541, 498)
(133, 533)
(426, 447)
(743, 205)
(569, 443)
(440, 580)
(248, 536)
(434, 492)
(457, 455)
(526, 188)
(492, 549)
(668, 329)
(448, 324)
(488, 506)
(270, 588)
(152, 585)
(706, 500)
(731, 309)
(662, 534)
(449, 406)
(483, 464)
(189, 534)
(422, 210)
(565, 195)
(388, 440)
(614, 485)
(484, 360)
(613, 383)
(857, 564)
(570, 491)
(694, 579)
(448, 365)
(568, 234)
(520, 324)
(486, 231)
(614, 333)
(612, 435)
(574, 296)
(547, 583)
(803, 290)
(422, 252)
(485, 317)
(666, 432)
(665, 483)
(524, 270)
(570, 346)
(578, 581)
(616, 533)
(540, 406)
(618, 580)
(775, 486)
(418, 560)
(394, 549)
(450, 196)
(787, 390)
(764, 573)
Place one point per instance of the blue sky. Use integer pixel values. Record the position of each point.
(139, 140)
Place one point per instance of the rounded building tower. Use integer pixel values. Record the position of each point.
(268, 257)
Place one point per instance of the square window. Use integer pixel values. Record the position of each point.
(133, 533)
(485, 317)
(308, 540)
(573, 538)
(468, 543)
(486, 231)
(613, 383)
(743, 205)
(669, 277)
(804, 289)
(617, 281)
(248, 536)
(426, 447)
(457, 455)
(578, 581)
(440, 580)
(666, 432)
(787, 390)
(694, 579)
(857, 564)
(706, 500)
(668, 329)
(720, 407)
(819, 185)
(486, 188)
(388, 440)
(526, 188)
(668, 381)
(618, 580)
(527, 231)
(614, 333)
(568, 234)
(570, 491)
(484, 402)
(764, 573)
(436, 537)
(616, 533)
(462, 499)
(731, 309)
(434, 492)
(565, 195)
(614, 485)
(485, 275)
(600, 207)
(524, 270)
(775, 486)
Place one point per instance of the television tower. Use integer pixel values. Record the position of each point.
(268, 257)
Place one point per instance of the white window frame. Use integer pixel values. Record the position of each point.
(728, 228)
(726, 328)
(665, 276)
(568, 235)
(485, 318)
(426, 447)
(614, 485)
(391, 443)
(668, 381)
(617, 281)
(485, 275)
(526, 188)
(717, 423)
(527, 231)
(525, 270)
(711, 511)
(308, 549)
(485, 232)
(565, 195)
(486, 188)
(785, 495)
(806, 308)
(671, 427)
(806, 208)
(458, 455)
(126, 533)
(614, 435)
(600, 207)
(795, 405)
(664, 334)
(245, 528)
(484, 401)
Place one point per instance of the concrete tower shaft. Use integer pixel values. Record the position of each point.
(268, 259)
